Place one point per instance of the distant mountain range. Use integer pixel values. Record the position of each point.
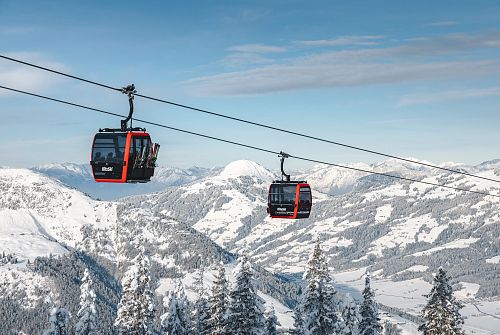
(400, 231)
(80, 177)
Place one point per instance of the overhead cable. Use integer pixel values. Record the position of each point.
(262, 125)
(250, 146)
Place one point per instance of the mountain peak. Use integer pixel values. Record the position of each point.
(241, 168)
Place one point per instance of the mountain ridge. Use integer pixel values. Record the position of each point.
(400, 231)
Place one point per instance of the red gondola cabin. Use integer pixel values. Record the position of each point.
(125, 154)
(123, 157)
(289, 200)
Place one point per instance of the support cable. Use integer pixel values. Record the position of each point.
(251, 146)
(255, 123)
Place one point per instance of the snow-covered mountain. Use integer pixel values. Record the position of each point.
(80, 177)
(42, 217)
(400, 231)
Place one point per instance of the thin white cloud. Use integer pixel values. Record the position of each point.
(420, 99)
(441, 24)
(257, 48)
(415, 60)
(244, 59)
(344, 40)
(22, 77)
(300, 76)
(15, 31)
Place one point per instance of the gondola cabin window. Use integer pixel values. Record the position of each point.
(283, 194)
(109, 148)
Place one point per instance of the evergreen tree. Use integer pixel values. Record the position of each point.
(201, 308)
(87, 315)
(136, 307)
(391, 329)
(271, 322)
(218, 303)
(351, 316)
(441, 314)
(59, 318)
(176, 320)
(320, 305)
(298, 326)
(370, 322)
(246, 311)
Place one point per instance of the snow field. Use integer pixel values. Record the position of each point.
(23, 235)
(403, 233)
(383, 213)
(457, 244)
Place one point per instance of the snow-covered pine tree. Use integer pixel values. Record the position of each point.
(321, 311)
(87, 315)
(201, 324)
(176, 320)
(442, 312)
(246, 311)
(136, 307)
(271, 322)
(59, 319)
(391, 329)
(218, 303)
(370, 322)
(351, 316)
(298, 326)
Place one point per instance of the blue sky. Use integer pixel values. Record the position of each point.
(416, 79)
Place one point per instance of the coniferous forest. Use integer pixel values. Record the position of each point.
(104, 306)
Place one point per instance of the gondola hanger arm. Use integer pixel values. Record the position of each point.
(129, 91)
(284, 155)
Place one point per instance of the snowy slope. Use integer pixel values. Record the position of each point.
(22, 234)
(58, 212)
(40, 216)
(403, 230)
(399, 216)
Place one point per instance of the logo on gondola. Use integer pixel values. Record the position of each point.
(281, 209)
(107, 169)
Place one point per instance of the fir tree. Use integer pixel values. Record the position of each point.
(218, 303)
(441, 314)
(391, 329)
(176, 320)
(136, 307)
(271, 322)
(59, 318)
(298, 326)
(320, 305)
(351, 316)
(370, 322)
(246, 311)
(87, 315)
(201, 308)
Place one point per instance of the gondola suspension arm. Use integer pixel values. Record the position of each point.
(129, 91)
(284, 155)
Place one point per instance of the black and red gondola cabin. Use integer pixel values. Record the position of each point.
(289, 200)
(123, 157)
(125, 154)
